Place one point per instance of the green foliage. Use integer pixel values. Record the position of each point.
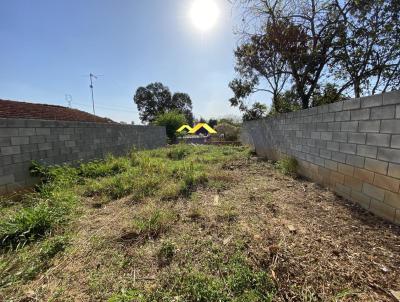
(156, 99)
(27, 225)
(101, 168)
(45, 210)
(287, 101)
(288, 166)
(255, 112)
(172, 120)
(54, 174)
(329, 94)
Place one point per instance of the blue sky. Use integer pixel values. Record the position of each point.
(48, 46)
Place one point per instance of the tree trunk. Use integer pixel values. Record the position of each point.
(304, 101)
(357, 89)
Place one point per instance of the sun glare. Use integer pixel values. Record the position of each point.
(204, 14)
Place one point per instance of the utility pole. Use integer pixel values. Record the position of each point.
(91, 76)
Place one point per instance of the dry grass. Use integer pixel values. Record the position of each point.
(249, 233)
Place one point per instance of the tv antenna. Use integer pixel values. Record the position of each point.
(68, 99)
(92, 76)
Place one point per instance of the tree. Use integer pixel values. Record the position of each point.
(255, 112)
(212, 122)
(287, 101)
(172, 120)
(367, 58)
(293, 46)
(183, 103)
(258, 59)
(155, 99)
(300, 47)
(327, 95)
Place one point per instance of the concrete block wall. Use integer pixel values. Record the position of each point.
(57, 142)
(352, 147)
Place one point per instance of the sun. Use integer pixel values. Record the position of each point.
(204, 14)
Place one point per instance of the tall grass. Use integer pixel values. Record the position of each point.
(29, 230)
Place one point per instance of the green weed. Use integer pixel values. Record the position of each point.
(179, 152)
(166, 253)
(101, 168)
(287, 166)
(234, 281)
(153, 220)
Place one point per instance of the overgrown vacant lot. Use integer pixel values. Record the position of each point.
(191, 224)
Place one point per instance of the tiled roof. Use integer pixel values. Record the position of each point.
(14, 109)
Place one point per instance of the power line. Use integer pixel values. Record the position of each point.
(108, 108)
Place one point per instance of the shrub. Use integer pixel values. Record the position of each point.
(288, 166)
(172, 120)
(230, 132)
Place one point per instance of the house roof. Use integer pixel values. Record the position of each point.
(15, 109)
(184, 127)
(202, 125)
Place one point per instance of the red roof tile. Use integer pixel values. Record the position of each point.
(14, 109)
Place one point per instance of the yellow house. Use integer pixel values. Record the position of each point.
(202, 128)
(184, 127)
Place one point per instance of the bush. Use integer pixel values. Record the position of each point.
(172, 120)
(230, 132)
(288, 166)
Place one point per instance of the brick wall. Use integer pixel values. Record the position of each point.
(352, 147)
(56, 142)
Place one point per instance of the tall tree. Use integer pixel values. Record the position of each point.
(367, 58)
(183, 103)
(156, 99)
(297, 38)
(257, 59)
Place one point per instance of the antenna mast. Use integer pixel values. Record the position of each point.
(91, 76)
(68, 98)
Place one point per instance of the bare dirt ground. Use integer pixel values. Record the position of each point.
(315, 245)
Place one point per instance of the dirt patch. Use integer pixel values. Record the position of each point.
(314, 245)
